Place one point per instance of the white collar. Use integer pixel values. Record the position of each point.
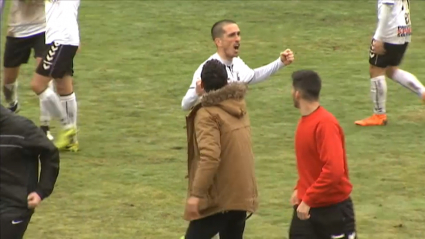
(226, 62)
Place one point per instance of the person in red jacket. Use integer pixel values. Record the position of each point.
(323, 208)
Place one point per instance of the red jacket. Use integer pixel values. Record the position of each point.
(321, 160)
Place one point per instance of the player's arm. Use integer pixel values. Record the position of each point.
(252, 76)
(191, 97)
(384, 17)
(208, 139)
(329, 146)
(38, 144)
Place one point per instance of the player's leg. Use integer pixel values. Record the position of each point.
(52, 66)
(67, 97)
(17, 52)
(39, 51)
(404, 78)
(63, 75)
(378, 89)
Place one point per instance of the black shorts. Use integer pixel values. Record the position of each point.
(18, 50)
(14, 227)
(58, 61)
(393, 55)
(336, 221)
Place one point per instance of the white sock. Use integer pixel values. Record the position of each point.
(378, 90)
(11, 92)
(52, 103)
(44, 112)
(409, 81)
(69, 103)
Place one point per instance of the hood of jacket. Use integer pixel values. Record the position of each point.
(230, 98)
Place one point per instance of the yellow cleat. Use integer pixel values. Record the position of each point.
(73, 147)
(65, 138)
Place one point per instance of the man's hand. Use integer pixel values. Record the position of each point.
(192, 208)
(378, 47)
(294, 198)
(199, 90)
(33, 200)
(287, 57)
(303, 211)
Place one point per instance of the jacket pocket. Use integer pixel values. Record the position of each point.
(210, 200)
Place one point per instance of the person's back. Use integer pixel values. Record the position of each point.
(235, 180)
(222, 184)
(24, 150)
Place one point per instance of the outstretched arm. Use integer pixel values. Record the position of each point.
(252, 76)
(263, 73)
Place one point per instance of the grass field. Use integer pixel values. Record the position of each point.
(136, 63)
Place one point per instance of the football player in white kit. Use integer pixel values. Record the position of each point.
(387, 50)
(226, 36)
(62, 39)
(25, 32)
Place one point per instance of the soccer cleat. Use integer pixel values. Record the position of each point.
(73, 146)
(14, 107)
(65, 138)
(374, 120)
(46, 130)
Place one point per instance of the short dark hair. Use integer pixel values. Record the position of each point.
(308, 83)
(217, 28)
(213, 75)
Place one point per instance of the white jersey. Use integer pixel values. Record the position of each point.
(62, 22)
(237, 71)
(399, 27)
(26, 18)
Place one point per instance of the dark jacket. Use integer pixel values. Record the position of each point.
(220, 156)
(22, 146)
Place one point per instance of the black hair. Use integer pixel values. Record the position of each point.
(213, 75)
(308, 83)
(217, 28)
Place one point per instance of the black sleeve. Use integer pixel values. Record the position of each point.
(37, 142)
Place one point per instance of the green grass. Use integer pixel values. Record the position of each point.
(135, 65)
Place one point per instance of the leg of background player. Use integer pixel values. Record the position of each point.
(407, 80)
(45, 117)
(52, 103)
(17, 51)
(10, 87)
(378, 92)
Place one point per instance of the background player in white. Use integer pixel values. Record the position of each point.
(63, 39)
(226, 36)
(26, 31)
(388, 47)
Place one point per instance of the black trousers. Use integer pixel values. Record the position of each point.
(14, 227)
(332, 222)
(229, 225)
